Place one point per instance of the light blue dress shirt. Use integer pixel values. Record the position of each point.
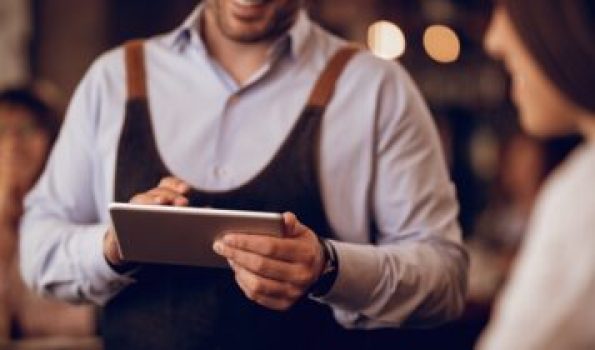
(380, 159)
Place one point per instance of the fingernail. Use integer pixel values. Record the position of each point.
(157, 200)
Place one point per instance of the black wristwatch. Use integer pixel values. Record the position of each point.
(126, 268)
(329, 272)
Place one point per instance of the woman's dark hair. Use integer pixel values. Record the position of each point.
(560, 35)
(43, 115)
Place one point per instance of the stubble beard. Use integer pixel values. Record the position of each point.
(282, 20)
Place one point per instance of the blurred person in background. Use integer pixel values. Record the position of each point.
(502, 225)
(28, 128)
(252, 106)
(549, 301)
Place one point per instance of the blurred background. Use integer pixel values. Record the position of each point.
(497, 170)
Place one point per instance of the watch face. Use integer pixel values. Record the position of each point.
(331, 262)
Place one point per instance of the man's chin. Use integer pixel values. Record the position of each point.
(248, 33)
(254, 24)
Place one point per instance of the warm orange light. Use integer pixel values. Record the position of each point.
(442, 44)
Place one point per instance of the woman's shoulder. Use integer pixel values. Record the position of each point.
(575, 178)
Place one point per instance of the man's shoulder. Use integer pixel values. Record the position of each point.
(111, 63)
(368, 62)
(115, 55)
(364, 63)
(378, 74)
(108, 63)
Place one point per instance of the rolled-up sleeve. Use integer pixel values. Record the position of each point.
(61, 237)
(413, 272)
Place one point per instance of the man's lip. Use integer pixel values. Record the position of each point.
(249, 12)
(251, 3)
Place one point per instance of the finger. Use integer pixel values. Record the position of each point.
(269, 293)
(288, 250)
(111, 249)
(272, 303)
(147, 199)
(277, 270)
(174, 184)
(293, 227)
(169, 197)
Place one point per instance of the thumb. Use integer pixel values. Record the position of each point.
(293, 228)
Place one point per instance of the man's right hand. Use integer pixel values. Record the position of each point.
(170, 191)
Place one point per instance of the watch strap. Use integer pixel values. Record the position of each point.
(329, 272)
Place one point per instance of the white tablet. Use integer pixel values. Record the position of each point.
(183, 236)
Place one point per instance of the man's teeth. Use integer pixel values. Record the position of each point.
(250, 2)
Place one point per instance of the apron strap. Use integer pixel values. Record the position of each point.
(325, 86)
(320, 97)
(135, 70)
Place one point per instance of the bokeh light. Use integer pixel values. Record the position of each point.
(386, 40)
(442, 44)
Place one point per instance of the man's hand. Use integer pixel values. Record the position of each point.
(271, 271)
(170, 191)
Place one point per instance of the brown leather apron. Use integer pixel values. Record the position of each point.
(176, 307)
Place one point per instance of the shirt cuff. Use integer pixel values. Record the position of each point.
(102, 281)
(359, 266)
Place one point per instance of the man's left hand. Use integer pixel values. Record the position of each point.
(274, 271)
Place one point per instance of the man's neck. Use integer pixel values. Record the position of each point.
(240, 60)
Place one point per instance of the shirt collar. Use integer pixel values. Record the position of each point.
(300, 33)
(188, 34)
(182, 36)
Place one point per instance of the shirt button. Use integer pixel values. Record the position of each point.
(233, 99)
(220, 171)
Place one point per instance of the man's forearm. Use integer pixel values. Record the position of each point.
(395, 285)
(66, 261)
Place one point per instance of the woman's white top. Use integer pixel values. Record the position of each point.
(549, 302)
